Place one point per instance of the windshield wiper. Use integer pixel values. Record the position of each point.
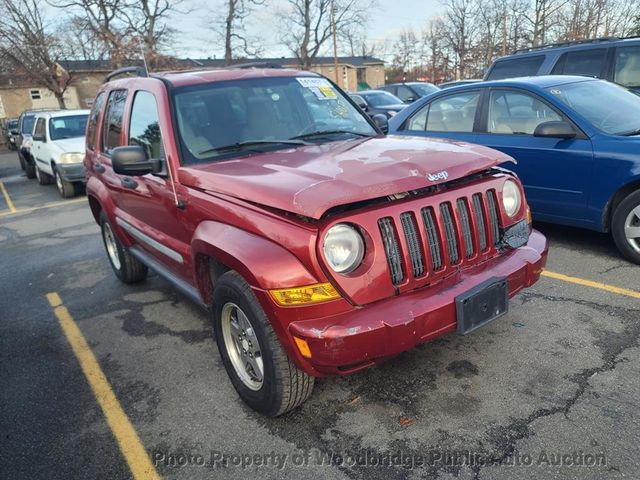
(321, 133)
(631, 133)
(249, 144)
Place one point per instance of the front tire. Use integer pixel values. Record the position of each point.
(43, 178)
(65, 189)
(257, 365)
(625, 227)
(126, 267)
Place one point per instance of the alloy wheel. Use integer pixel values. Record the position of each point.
(632, 228)
(110, 243)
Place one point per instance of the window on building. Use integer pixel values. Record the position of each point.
(113, 120)
(144, 126)
(35, 94)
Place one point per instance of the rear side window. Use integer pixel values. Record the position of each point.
(113, 120)
(627, 71)
(93, 120)
(40, 127)
(144, 127)
(517, 67)
(582, 62)
(27, 124)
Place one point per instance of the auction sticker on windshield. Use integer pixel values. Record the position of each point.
(320, 87)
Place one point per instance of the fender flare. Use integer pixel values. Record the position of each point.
(262, 263)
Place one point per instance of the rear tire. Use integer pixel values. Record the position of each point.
(269, 382)
(43, 178)
(21, 160)
(126, 267)
(625, 227)
(29, 167)
(66, 189)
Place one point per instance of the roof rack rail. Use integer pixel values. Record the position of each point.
(569, 43)
(254, 65)
(138, 71)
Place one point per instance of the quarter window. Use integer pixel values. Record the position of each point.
(453, 113)
(93, 120)
(144, 127)
(627, 72)
(517, 113)
(581, 62)
(517, 67)
(113, 120)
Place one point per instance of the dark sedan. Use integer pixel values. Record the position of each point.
(409, 92)
(377, 101)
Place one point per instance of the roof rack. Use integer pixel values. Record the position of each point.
(138, 71)
(571, 42)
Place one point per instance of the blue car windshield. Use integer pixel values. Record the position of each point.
(609, 107)
(381, 99)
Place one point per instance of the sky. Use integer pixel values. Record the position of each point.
(196, 40)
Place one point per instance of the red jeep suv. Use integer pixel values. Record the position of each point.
(319, 245)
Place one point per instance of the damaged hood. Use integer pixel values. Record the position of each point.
(311, 179)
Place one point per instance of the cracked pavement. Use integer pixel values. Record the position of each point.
(552, 384)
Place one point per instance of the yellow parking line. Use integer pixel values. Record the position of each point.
(45, 205)
(126, 436)
(7, 198)
(591, 283)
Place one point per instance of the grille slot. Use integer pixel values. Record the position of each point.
(413, 242)
(450, 232)
(432, 238)
(493, 216)
(392, 249)
(463, 211)
(479, 213)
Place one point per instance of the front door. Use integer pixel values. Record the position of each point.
(554, 171)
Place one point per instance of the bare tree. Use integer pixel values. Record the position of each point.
(460, 27)
(232, 29)
(307, 27)
(29, 45)
(406, 53)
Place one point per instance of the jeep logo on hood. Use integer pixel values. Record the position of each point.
(432, 177)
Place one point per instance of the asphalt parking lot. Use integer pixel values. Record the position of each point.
(549, 391)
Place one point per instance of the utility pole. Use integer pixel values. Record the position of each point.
(335, 41)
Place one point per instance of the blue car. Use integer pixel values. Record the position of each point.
(576, 141)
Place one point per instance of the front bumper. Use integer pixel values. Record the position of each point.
(72, 172)
(367, 335)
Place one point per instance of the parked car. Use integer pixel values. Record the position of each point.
(613, 59)
(376, 102)
(410, 91)
(576, 141)
(319, 245)
(26, 121)
(58, 149)
(457, 83)
(11, 133)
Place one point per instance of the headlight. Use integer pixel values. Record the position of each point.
(511, 198)
(343, 248)
(72, 158)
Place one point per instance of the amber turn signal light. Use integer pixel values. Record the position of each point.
(303, 346)
(320, 292)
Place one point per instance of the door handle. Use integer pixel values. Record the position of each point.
(98, 167)
(128, 182)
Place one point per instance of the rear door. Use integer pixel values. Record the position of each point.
(555, 172)
(449, 116)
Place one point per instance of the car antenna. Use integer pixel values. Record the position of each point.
(177, 202)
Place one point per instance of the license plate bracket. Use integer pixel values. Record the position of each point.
(482, 304)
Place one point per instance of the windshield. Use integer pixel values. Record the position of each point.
(27, 124)
(381, 99)
(221, 120)
(424, 89)
(67, 127)
(609, 107)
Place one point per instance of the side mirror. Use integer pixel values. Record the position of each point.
(132, 160)
(39, 138)
(382, 122)
(554, 130)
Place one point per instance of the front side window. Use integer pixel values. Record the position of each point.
(67, 127)
(516, 67)
(222, 120)
(627, 70)
(581, 62)
(113, 120)
(93, 120)
(609, 107)
(40, 129)
(144, 127)
(453, 113)
(517, 113)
